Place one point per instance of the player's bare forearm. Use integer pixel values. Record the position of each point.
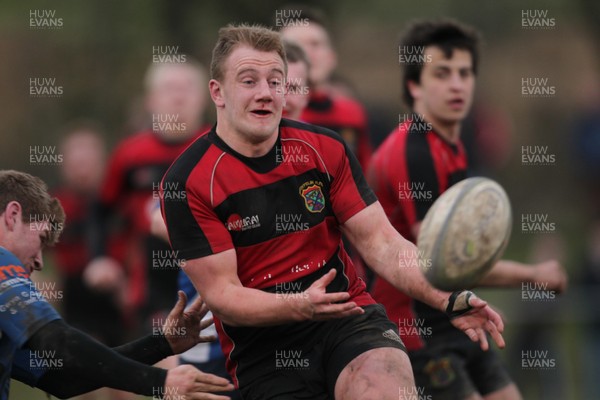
(508, 274)
(391, 256)
(395, 260)
(241, 306)
(215, 278)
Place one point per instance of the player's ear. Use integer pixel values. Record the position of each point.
(12, 213)
(216, 94)
(414, 89)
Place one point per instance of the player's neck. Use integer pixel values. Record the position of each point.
(447, 130)
(319, 87)
(248, 147)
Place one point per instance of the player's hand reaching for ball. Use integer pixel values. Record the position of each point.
(320, 305)
(182, 328)
(187, 382)
(475, 317)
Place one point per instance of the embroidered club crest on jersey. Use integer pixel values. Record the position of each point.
(440, 372)
(312, 193)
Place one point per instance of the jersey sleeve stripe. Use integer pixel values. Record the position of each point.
(421, 170)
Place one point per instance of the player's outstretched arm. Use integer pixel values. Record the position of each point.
(181, 331)
(184, 381)
(215, 276)
(88, 365)
(395, 260)
(507, 273)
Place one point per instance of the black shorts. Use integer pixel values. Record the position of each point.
(297, 371)
(455, 367)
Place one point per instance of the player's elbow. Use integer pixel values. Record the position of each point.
(231, 317)
(225, 309)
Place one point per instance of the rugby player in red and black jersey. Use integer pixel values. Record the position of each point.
(83, 165)
(175, 100)
(260, 229)
(420, 160)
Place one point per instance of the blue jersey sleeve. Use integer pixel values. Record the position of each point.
(23, 310)
(184, 283)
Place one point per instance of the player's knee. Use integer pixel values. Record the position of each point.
(379, 374)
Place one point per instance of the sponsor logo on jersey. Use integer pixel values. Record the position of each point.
(12, 271)
(236, 223)
(312, 193)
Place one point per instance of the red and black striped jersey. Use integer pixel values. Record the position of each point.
(130, 190)
(408, 172)
(280, 212)
(73, 251)
(134, 172)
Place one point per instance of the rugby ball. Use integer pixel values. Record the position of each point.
(464, 233)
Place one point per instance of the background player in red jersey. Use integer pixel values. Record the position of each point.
(274, 289)
(82, 169)
(84, 160)
(175, 101)
(41, 350)
(421, 159)
(329, 106)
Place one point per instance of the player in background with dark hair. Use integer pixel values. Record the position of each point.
(420, 160)
(276, 286)
(328, 106)
(175, 99)
(38, 348)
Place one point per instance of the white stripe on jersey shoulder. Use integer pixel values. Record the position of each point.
(212, 178)
(316, 152)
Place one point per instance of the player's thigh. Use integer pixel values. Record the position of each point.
(290, 384)
(510, 392)
(378, 374)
